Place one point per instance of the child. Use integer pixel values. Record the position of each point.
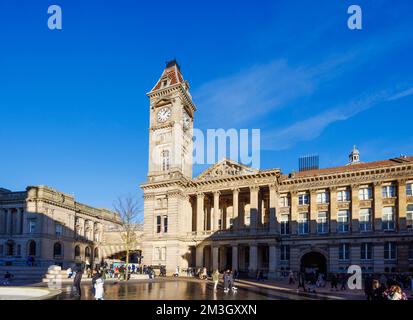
(99, 290)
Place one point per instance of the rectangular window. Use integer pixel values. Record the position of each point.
(158, 224)
(58, 229)
(365, 219)
(303, 223)
(32, 225)
(388, 191)
(343, 221)
(284, 201)
(322, 222)
(343, 195)
(388, 218)
(163, 253)
(303, 199)
(344, 251)
(390, 251)
(285, 253)
(409, 216)
(322, 197)
(366, 251)
(365, 193)
(284, 223)
(409, 189)
(165, 224)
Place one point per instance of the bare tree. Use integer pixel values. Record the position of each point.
(130, 218)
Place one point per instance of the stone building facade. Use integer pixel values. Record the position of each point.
(53, 228)
(234, 216)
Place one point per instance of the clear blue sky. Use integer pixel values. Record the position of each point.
(74, 114)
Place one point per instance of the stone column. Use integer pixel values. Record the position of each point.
(235, 257)
(294, 212)
(254, 190)
(274, 226)
(333, 210)
(241, 216)
(313, 212)
(377, 222)
(187, 224)
(273, 263)
(200, 212)
(8, 221)
(216, 211)
(235, 208)
(3, 216)
(199, 256)
(215, 259)
(401, 205)
(18, 220)
(253, 265)
(222, 258)
(355, 208)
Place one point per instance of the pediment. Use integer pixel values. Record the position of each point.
(226, 168)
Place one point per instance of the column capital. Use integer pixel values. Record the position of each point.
(254, 188)
(216, 193)
(333, 189)
(273, 187)
(377, 183)
(401, 182)
(355, 186)
(235, 190)
(200, 195)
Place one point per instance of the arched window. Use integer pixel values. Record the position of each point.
(165, 160)
(96, 253)
(31, 248)
(57, 249)
(87, 252)
(77, 251)
(10, 248)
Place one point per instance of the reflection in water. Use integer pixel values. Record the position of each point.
(165, 290)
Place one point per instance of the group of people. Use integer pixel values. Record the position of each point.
(228, 278)
(98, 280)
(386, 287)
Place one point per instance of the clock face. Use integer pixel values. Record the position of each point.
(187, 120)
(164, 114)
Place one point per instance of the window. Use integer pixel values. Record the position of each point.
(366, 251)
(365, 193)
(365, 219)
(343, 217)
(32, 248)
(88, 252)
(284, 222)
(388, 218)
(58, 229)
(411, 251)
(163, 253)
(165, 160)
(158, 224)
(389, 251)
(77, 251)
(57, 249)
(285, 253)
(284, 201)
(322, 222)
(32, 225)
(409, 189)
(343, 195)
(409, 216)
(303, 223)
(322, 197)
(388, 191)
(344, 251)
(165, 224)
(303, 199)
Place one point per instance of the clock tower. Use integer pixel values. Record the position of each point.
(171, 126)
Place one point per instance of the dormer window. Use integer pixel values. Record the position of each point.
(164, 83)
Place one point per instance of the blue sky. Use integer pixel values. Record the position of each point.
(74, 114)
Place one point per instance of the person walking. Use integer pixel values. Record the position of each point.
(378, 291)
(334, 281)
(7, 278)
(291, 278)
(215, 279)
(343, 282)
(368, 287)
(226, 281)
(78, 279)
(301, 281)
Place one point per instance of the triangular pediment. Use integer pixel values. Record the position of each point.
(226, 168)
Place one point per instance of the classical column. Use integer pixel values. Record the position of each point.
(273, 261)
(241, 216)
(216, 212)
(8, 221)
(3, 217)
(253, 265)
(377, 222)
(355, 208)
(215, 258)
(235, 257)
(199, 256)
(223, 258)
(401, 204)
(273, 208)
(200, 212)
(294, 212)
(235, 208)
(187, 223)
(18, 220)
(313, 212)
(254, 190)
(333, 210)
